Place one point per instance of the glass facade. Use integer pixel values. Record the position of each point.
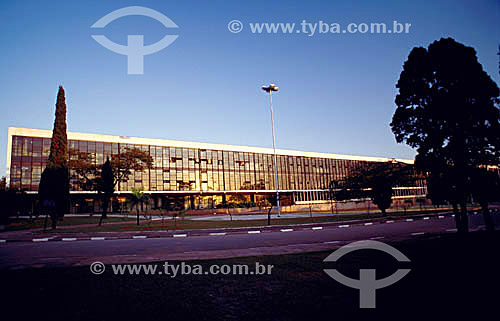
(192, 169)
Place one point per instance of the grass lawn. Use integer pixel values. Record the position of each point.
(24, 223)
(442, 281)
(184, 224)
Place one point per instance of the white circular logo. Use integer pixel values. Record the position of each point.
(97, 268)
(235, 26)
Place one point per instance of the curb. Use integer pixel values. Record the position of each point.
(230, 231)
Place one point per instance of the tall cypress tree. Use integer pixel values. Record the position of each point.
(59, 144)
(53, 190)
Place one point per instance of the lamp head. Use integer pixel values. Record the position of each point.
(271, 87)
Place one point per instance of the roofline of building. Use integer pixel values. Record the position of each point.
(43, 133)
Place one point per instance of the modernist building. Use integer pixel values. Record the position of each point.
(203, 175)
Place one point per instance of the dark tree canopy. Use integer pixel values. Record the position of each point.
(106, 183)
(447, 109)
(447, 106)
(105, 187)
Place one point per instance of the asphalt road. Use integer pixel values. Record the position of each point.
(84, 252)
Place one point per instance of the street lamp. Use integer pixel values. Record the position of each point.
(269, 89)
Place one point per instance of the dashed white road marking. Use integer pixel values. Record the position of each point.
(440, 216)
(68, 239)
(331, 242)
(376, 238)
(180, 235)
(426, 218)
(253, 232)
(451, 230)
(390, 221)
(418, 233)
(3, 241)
(41, 240)
(317, 228)
(97, 238)
(343, 226)
(369, 223)
(409, 220)
(139, 236)
(217, 234)
(287, 230)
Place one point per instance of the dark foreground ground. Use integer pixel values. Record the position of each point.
(448, 276)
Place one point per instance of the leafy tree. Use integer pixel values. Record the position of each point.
(53, 189)
(485, 188)
(104, 179)
(447, 108)
(13, 202)
(138, 198)
(122, 164)
(374, 181)
(3, 183)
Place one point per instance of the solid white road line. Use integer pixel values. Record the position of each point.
(217, 234)
(139, 236)
(253, 232)
(369, 223)
(331, 242)
(69, 239)
(180, 235)
(317, 228)
(287, 230)
(451, 230)
(376, 238)
(342, 226)
(418, 233)
(41, 240)
(97, 238)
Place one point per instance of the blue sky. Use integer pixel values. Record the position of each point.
(336, 90)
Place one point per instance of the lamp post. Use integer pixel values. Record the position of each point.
(269, 89)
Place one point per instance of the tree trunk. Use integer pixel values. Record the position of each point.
(269, 215)
(137, 208)
(45, 223)
(458, 220)
(383, 212)
(105, 204)
(488, 220)
(464, 220)
(53, 218)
